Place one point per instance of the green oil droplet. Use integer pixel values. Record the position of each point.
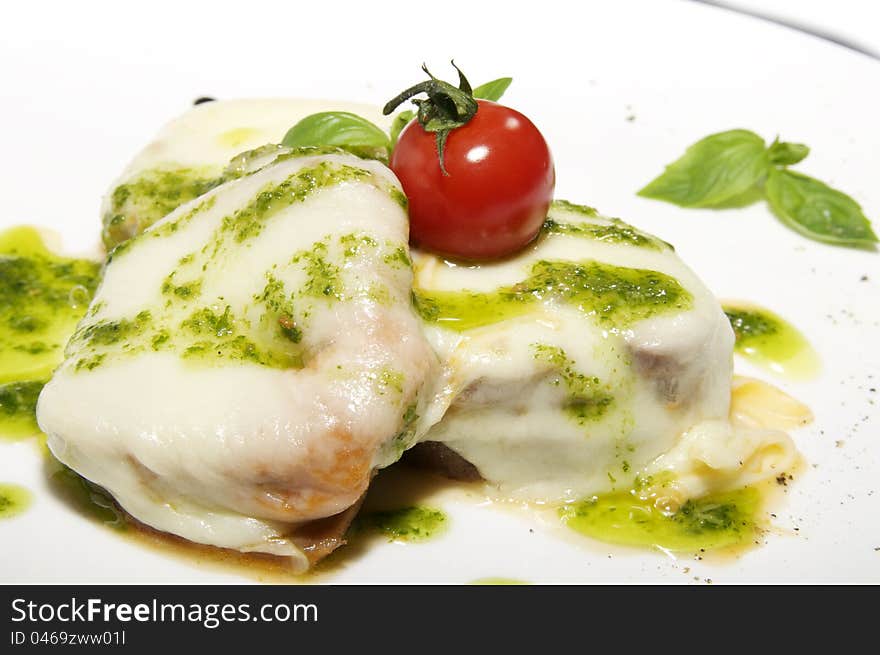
(769, 341)
(714, 521)
(42, 297)
(13, 500)
(405, 524)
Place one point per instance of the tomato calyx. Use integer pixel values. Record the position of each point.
(445, 108)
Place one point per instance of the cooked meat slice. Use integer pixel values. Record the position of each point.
(440, 458)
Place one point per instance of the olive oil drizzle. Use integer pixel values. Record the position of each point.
(769, 341)
(42, 297)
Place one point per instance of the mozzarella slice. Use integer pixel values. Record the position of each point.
(250, 359)
(572, 367)
(595, 360)
(189, 155)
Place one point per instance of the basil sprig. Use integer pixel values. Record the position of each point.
(713, 171)
(343, 130)
(816, 210)
(786, 154)
(400, 121)
(736, 167)
(493, 90)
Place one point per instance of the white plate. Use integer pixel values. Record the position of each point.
(83, 90)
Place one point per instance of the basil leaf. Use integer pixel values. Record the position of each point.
(714, 171)
(493, 90)
(400, 121)
(786, 154)
(341, 129)
(816, 210)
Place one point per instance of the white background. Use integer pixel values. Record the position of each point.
(854, 21)
(84, 85)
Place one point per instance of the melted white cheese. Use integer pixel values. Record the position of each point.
(235, 447)
(670, 377)
(212, 133)
(202, 452)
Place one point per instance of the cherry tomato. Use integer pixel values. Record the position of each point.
(495, 197)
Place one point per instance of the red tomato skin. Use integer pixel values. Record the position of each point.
(497, 192)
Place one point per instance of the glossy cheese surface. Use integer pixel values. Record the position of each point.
(252, 357)
(249, 359)
(598, 352)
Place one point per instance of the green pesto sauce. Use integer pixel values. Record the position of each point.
(207, 334)
(152, 194)
(108, 333)
(586, 398)
(242, 349)
(399, 197)
(208, 330)
(168, 228)
(600, 232)
(322, 275)
(613, 296)
(13, 500)
(405, 524)
(184, 290)
(355, 244)
(398, 258)
(18, 408)
(565, 205)
(143, 200)
(251, 161)
(42, 297)
(268, 331)
(249, 221)
(280, 308)
(403, 439)
(615, 231)
(714, 521)
(770, 341)
(390, 381)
